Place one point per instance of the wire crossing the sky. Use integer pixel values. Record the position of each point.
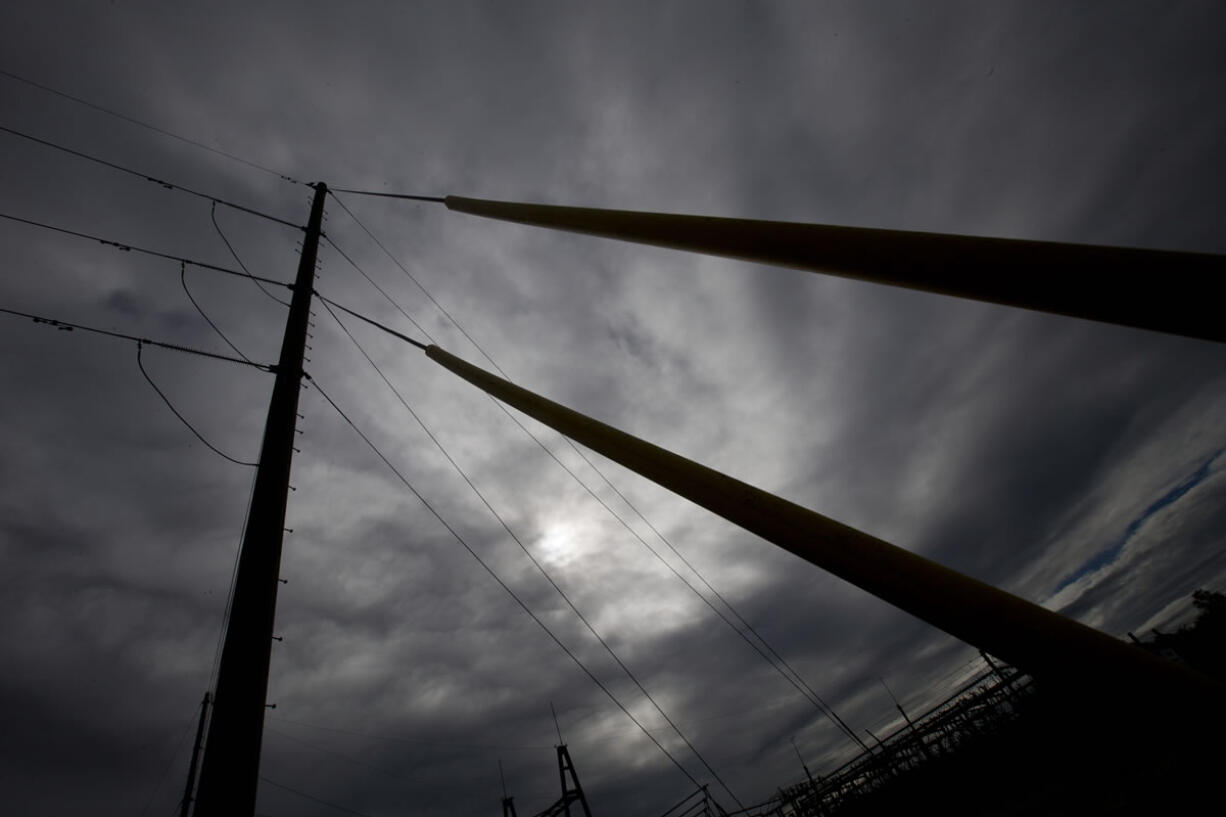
(371, 321)
(139, 348)
(785, 669)
(313, 798)
(68, 326)
(163, 183)
(122, 247)
(254, 279)
(799, 680)
(523, 605)
(154, 128)
(412, 277)
(220, 334)
(794, 678)
(380, 289)
(536, 563)
(432, 199)
(1161, 290)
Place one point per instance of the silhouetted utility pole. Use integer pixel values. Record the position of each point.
(230, 774)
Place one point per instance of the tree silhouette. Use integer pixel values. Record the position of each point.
(1200, 644)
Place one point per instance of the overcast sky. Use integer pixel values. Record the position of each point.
(1076, 464)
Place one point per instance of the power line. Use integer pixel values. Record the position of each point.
(182, 419)
(371, 321)
(433, 199)
(442, 743)
(146, 125)
(807, 691)
(230, 247)
(133, 248)
(67, 326)
(785, 669)
(411, 276)
(802, 686)
(382, 292)
(798, 682)
(540, 568)
(168, 185)
(220, 334)
(313, 798)
(523, 605)
(328, 750)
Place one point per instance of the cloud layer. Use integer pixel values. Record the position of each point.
(1072, 463)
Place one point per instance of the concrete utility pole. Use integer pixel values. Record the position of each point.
(1069, 657)
(230, 774)
(1150, 289)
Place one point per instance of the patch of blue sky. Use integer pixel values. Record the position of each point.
(1109, 554)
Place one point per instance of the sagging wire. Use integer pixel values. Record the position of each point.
(220, 334)
(182, 419)
(254, 279)
(523, 605)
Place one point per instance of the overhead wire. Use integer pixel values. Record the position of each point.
(410, 275)
(396, 739)
(380, 289)
(312, 798)
(371, 321)
(799, 681)
(254, 279)
(432, 199)
(182, 419)
(69, 326)
(146, 177)
(203, 314)
(329, 751)
(540, 568)
(123, 247)
(781, 665)
(154, 128)
(523, 605)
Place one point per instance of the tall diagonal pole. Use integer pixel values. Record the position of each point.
(229, 776)
(1161, 290)
(1071, 658)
